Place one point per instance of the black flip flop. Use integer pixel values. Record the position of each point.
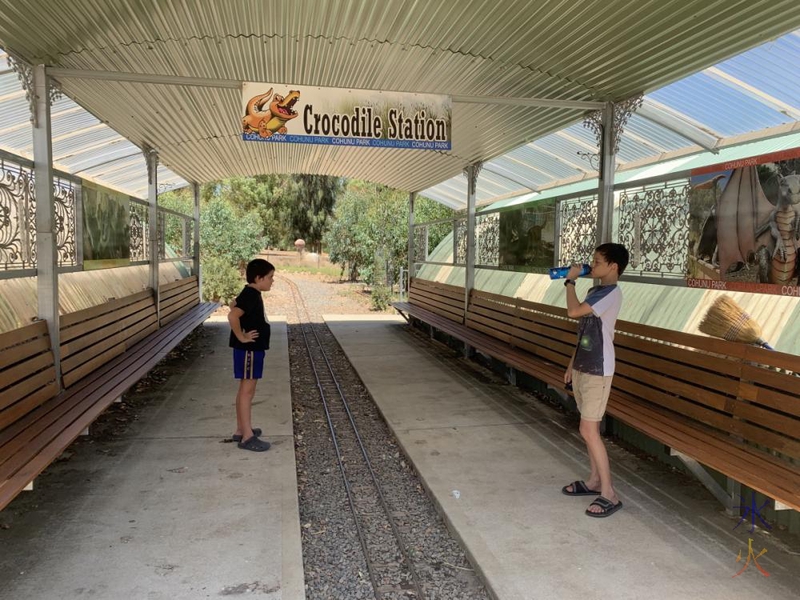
(579, 489)
(254, 444)
(608, 507)
(238, 438)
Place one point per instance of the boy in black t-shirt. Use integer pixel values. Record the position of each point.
(250, 340)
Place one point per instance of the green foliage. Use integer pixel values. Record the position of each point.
(221, 281)
(381, 297)
(264, 196)
(226, 235)
(180, 201)
(372, 220)
(311, 199)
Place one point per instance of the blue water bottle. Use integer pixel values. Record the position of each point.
(561, 272)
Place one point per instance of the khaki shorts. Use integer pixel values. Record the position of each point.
(591, 394)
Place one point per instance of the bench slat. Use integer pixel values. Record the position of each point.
(32, 443)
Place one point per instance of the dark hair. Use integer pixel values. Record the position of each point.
(615, 254)
(258, 267)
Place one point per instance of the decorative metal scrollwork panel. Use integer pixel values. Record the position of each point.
(578, 235)
(654, 226)
(66, 222)
(17, 207)
(460, 242)
(487, 240)
(139, 231)
(420, 243)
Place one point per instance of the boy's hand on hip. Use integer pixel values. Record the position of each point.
(248, 336)
(568, 375)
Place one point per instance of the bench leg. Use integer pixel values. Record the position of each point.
(511, 376)
(28, 488)
(724, 496)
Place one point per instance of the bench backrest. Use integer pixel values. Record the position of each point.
(92, 337)
(440, 298)
(745, 392)
(735, 391)
(178, 297)
(27, 371)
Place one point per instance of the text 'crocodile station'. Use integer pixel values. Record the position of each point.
(363, 122)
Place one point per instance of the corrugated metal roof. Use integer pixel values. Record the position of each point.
(588, 50)
(750, 94)
(82, 145)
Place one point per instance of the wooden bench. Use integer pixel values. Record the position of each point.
(105, 350)
(728, 406)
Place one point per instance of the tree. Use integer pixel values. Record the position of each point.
(311, 199)
(371, 220)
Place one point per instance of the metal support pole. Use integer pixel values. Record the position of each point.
(605, 197)
(46, 255)
(469, 278)
(152, 222)
(196, 249)
(411, 200)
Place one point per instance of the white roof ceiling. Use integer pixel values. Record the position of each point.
(580, 50)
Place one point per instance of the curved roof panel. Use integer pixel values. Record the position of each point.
(471, 49)
(748, 97)
(82, 144)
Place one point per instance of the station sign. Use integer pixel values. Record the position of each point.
(282, 113)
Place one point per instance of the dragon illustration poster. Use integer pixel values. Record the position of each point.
(527, 237)
(342, 117)
(744, 225)
(106, 228)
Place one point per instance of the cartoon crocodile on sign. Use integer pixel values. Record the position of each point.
(281, 110)
(272, 120)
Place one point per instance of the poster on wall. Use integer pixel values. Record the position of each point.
(527, 237)
(106, 227)
(280, 113)
(744, 225)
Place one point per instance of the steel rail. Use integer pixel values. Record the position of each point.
(299, 300)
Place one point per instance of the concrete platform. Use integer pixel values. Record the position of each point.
(495, 463)
(169, 511)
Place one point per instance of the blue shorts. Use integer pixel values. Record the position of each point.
(248, 364)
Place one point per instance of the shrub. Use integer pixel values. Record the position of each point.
(221, 281)
(381, 297)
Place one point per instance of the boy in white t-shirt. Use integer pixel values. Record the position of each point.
(591, 369)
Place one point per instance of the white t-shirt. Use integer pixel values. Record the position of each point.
(595, 353)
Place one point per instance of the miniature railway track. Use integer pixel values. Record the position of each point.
(391, 570)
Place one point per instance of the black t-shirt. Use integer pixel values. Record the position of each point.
(249, 300)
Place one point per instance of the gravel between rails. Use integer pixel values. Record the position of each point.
(334, 562)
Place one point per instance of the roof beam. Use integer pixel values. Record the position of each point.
(753, 92)
(507, 177)
(680, 124)
(232, 84)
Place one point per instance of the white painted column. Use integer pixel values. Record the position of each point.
(412, 197)
(46, 255)
(469, 278)
(152, 224)
(605, 192)
(196, 249)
